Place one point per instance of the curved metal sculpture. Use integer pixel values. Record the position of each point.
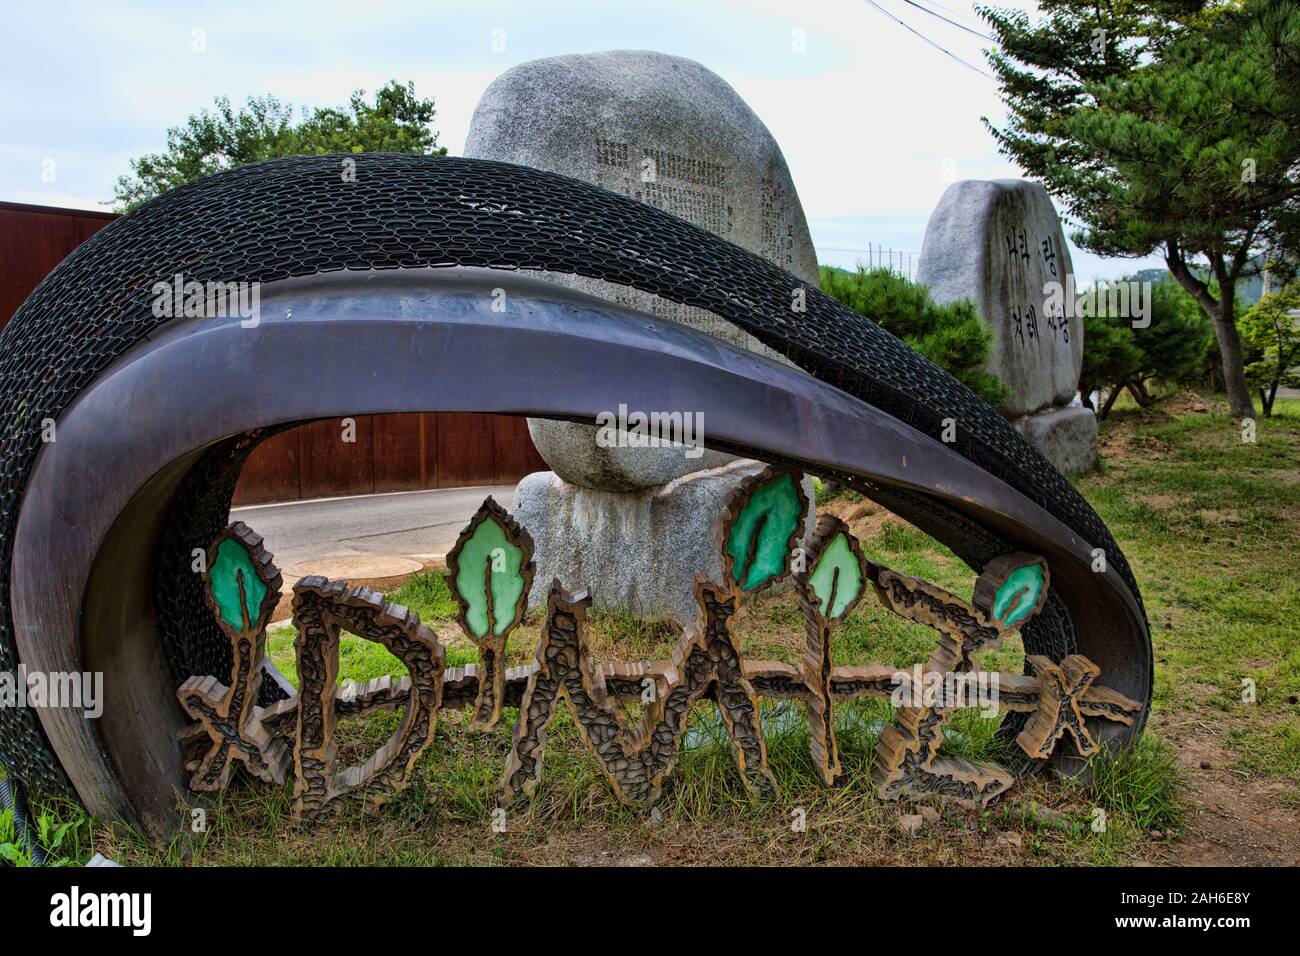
(154, 418)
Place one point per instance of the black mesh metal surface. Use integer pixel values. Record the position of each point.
(200, 511)
(297, 217)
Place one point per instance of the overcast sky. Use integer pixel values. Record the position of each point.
(874, 122)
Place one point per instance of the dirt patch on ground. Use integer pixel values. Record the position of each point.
(863, 517)
(1121, 442)
(1228, 517)
(1190, 403)
(1234, 818)
(1165, 502)
(284, 609)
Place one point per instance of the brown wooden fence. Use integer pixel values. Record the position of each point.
(35, 239)
(390, 452)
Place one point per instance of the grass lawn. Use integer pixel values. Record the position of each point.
(1212, 527)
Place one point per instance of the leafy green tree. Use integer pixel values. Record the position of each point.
(952, 336)
(1271, 330)
(1163, 126)
(1169, 350)
(395, 122)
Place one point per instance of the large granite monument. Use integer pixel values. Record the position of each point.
(1000, 244)
(670, 133)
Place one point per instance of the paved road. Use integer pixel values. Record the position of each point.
(414, 523)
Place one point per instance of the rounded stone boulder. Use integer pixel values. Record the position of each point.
(636, 553)
(667, 132)
(1000, 243)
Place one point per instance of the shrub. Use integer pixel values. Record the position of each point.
(951, 336)
(1272, 341)
(1170, 350)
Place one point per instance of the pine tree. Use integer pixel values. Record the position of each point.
(952, 336)
(1164, 126)
(1118, 355)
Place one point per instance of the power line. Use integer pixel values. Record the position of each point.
(1046, 64)
(1050, 61)
(956, 13)
(959, 26)
(932, 43)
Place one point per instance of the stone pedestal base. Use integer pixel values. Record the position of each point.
(638, 552)
(1067, 437)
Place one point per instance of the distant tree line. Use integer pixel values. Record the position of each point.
(394, 121)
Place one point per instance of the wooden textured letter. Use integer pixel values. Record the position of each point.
(320, 609)
(636, 760)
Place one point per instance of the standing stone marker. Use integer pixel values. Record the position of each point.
(1000, 244)
(672, 134)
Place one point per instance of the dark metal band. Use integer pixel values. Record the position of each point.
(297, 217)
(369, 343)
